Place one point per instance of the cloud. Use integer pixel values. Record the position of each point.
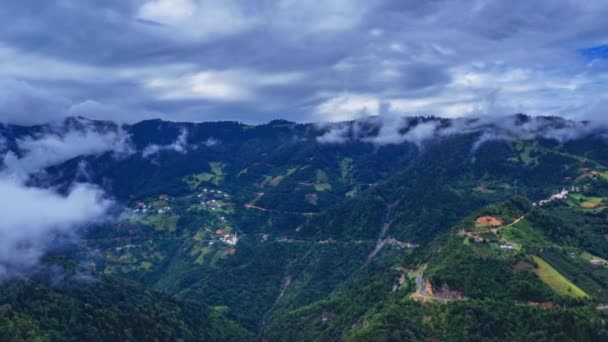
(347, 107)
(227, 85)
(34, 219)
(211, 141)
(336, 134)
(309, 17)
(38, 152)
(195, 20)
(391, 129)
(196, 60)
(180, 145)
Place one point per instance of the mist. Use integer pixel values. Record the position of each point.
(180, 145)
(386, 130)
(34, 218)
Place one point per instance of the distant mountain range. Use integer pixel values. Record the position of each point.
(417, 228)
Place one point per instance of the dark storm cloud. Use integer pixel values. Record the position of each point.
(251, 61)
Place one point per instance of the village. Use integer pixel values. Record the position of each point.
(214, 202)
(559, 196)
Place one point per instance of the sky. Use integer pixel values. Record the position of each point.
(258, 60)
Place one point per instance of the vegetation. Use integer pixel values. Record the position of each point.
(268, 234)
(556, 281)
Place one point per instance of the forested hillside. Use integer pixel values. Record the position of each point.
(442, 230)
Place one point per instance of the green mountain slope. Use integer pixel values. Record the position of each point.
(106, 309)
(277, 236)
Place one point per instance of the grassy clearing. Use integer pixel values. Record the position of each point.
(145, 265)
(556, 280)
(346, 169)
(276, 180)
(352, 193)
(163, 222)
(216, 176)
(587, 202)
(217, 169)
(592, 202)
(604, 175)
(322, 187)
(194, 181)
(523, 233)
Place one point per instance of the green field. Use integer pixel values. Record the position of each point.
(322, 187)
(523, 233)
(592, 202)
(217, 169)
(216, 176)
(194, 181)
(163, 222)
(587, 202)
(556, 281)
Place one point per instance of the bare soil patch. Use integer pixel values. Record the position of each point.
(488, 221)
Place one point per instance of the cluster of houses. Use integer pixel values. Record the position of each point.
(212, 191)
(597, 262)
(559, 196)
(142, 207)
(230, 239)
(212, 203)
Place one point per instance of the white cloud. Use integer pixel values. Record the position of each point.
(33, 217)
(223, 86)
(198, 20)
(180, 145)
(205, 57)
(391, 129)
(335, 135)
(311, 17)
(347, 107)
(51, 149)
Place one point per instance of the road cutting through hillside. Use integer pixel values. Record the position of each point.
(259, 195)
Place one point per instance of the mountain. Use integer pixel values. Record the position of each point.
(411, 229)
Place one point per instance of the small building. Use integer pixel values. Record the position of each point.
(596, 262)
